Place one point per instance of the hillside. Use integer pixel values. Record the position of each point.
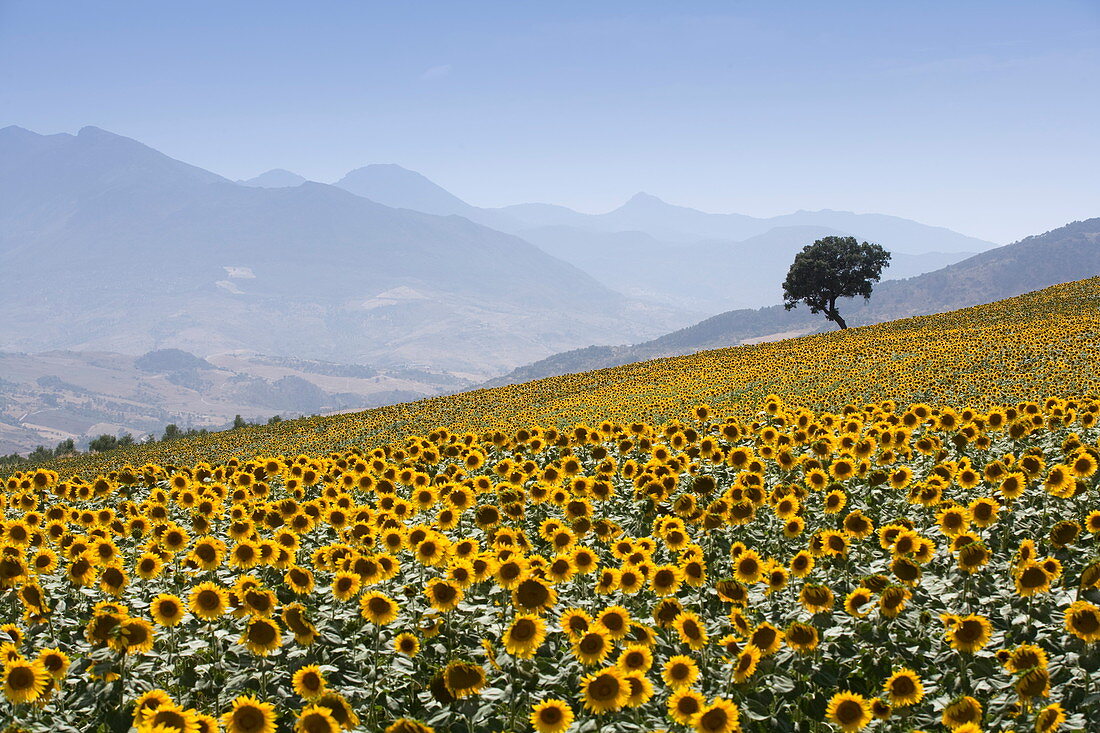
(1046, 342)
(53, 396)
(1062, 255)
(115, 236)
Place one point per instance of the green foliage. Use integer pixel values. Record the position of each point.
(833, 268)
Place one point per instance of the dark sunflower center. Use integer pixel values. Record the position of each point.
(849, 712)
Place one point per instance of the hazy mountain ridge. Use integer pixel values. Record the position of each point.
(1069, 253)
(135, 251)
(643, 212)
(274, 178)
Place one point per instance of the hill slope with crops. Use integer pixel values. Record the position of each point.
(891, 528)
(1046, 342)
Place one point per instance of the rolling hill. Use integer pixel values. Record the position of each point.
(57, 395)
(1023, 348)
(1062, 255)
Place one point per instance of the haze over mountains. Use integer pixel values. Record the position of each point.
(667, 254)
(115, 250)
(131, 250)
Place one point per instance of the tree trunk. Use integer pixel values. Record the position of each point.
(834, 315)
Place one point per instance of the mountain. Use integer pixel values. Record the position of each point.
(275, 178)
(651, 250)
(392, 185)
(644, 213)
(664, 221)
(117, 247)
(1062, 255)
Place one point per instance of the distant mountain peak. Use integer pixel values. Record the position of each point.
(92, 131)
(392, 185)
(274, 178)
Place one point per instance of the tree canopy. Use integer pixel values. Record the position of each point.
(832, 268)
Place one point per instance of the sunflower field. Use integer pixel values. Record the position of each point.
(869, 565)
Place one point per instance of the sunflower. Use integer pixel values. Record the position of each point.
(171, 717)
(802, 564)
(378, 608)
(766, 638)
(816, 598)
(635, 658)
(1082, 619)
(208, 601)
(881, 709)
(605, 691)
(904, 688)
(551, 716)
(167, 609)
(309, 682)
(801, 637)
(208, 553)
(1050, 718)
(632, 579)
(316, 719)
(443, 595)
(1059, 481)
(680, 671)
(24, 681)
(148, 566)
(747, 567)
(967, 633)
(665, 580)
(524, 636)
(1025, 657)
(463, 678)
(720, 716)
(574, 622)
(249, 715)
(339, 709)
(1033, 683)
(150, 701)
(684, 705)
(54, 661)
(407, 725)
(1031, 578)
(1014, 485)
(406, 644)
(134, 636)
(615, 620)
(262, 636)
(962, 711)
(691, 629)
(259, 602)
(641, 689)
(533, 595)
(345, 585)
(893, 600)
(953, 520)
(592, 647)
(850, 711)
(744, 664)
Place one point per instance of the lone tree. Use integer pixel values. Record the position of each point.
(832, 268)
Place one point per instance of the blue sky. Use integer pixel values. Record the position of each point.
(979, 116)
